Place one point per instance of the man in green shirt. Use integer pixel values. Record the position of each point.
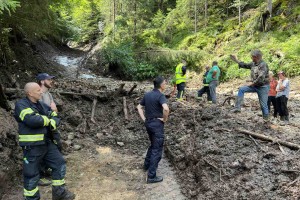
(212, 79)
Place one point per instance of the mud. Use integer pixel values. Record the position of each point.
(211, 158)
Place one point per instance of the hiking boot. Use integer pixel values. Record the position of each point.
(238, 103)
(266, 117)
(282, 118)
(156, 179)
(286, 118)
(66, 195)
(44, 182)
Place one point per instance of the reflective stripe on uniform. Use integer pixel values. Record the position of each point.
(205, 84)
(53, 123)
(30, 193)
(58, 182)
(54, 114)
(46, 120)
(25, 112)
(31, 138)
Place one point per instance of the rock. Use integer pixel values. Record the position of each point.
(99, 135)
(71, 136)
(77, 147)
(75, 118)
(121, 144)
(67, 144)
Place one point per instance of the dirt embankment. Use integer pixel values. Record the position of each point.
(32, 58)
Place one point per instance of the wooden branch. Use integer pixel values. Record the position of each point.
(131, 90)
(293, 182)
(268, 138)
(100, 95)
(93, 110)
(228, 99)
(120, 88)
(125, 108)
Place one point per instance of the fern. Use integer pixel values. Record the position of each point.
(8, 5)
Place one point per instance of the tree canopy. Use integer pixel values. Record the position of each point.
(143, 38)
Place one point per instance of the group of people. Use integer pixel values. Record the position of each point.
(262, 82)
(39, 138)
(210, 82)
(38, 120)
(267, 88)
(156, 109)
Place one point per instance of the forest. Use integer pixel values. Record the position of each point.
(140, 39)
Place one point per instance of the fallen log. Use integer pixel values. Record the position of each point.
(131, 90)
(120, 89)
(125, 108)
(270, 139)
(93, 110)
(228, 99)
(100, 95)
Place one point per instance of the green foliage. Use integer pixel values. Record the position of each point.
(144, 38)
(121, 58)
(8, 5)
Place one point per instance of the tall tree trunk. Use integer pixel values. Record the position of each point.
(270, 7)
(114, 18)
(161, 5)
(205, 12)
(135, 20)
(240, 13)
(196, 20)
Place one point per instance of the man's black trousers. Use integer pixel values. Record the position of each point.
(155, 129)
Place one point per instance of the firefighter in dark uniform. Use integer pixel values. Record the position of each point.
(156, 114)
(36, 123)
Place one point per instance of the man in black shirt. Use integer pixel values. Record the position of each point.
(156, 114)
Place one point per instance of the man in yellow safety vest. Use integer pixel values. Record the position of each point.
(180, 78)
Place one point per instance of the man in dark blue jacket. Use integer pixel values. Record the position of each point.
(156, 114)
(36, 123)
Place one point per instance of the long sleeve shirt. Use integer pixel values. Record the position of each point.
(259, 72)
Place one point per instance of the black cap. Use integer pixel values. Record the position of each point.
(44, 76)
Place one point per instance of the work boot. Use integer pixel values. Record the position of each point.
(286, 118)
(282, 118)
(44, 182)
(66, 195)
(156, 179)
(238, 103)
(266, 117)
